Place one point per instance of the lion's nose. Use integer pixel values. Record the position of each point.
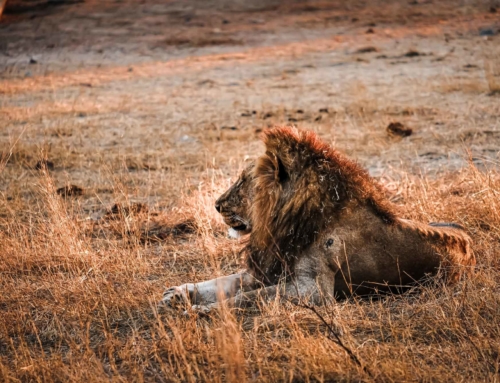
(217, 207)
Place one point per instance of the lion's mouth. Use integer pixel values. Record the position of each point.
(237, 223)
(237, 231)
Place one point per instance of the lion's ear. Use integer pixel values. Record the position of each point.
(270, 171)
(281, 173)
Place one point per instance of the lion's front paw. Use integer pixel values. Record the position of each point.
(202, 309)
(199, 310)
(174, 297)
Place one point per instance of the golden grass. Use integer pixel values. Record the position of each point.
(78, 307)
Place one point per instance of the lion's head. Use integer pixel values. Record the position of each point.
(234, 205)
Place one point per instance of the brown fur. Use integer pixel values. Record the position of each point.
(301, 185)
(450, 241)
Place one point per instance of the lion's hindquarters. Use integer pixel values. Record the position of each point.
(375, 256)
(433, 249)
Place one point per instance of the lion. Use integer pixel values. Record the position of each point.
(320, 228)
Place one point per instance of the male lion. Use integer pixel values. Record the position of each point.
(321, 228)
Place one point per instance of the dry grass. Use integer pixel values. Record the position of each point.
(76, 308)
(79, 280)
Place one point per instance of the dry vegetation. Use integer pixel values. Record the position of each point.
(153, 135)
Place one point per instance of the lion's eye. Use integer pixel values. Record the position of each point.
(329, 243)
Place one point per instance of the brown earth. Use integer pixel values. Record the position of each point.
(152, 108)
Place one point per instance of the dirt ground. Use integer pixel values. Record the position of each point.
(161, 104)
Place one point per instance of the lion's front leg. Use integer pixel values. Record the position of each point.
(312, 283)
(292, 292)
(208, 292)
(297, 292)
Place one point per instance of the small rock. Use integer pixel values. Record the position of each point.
(493, 10)
(256, 21)
(412, 53)
(33, 61)
(292, 119)
(370, 31)
(300, 111)
(323, 110)
(206, 82)
(267, 115)
(317, 119)
(70, 191)
(366, 50)
(44, 164)
(487, 32)
(229, 128)
(398, 129)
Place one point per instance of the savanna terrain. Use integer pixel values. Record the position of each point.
(121, 122)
